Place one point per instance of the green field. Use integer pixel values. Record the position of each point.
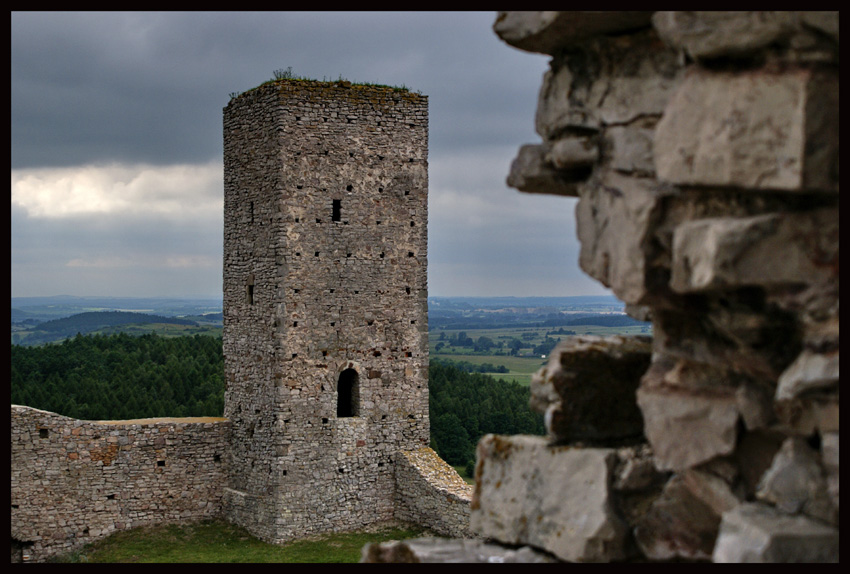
(524, 363)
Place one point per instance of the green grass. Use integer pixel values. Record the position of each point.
(217, 541)
(520, 368)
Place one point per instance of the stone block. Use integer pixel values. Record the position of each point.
(610, 81)
(549, 32)
(677, 525)
(705, 35)
(796, 483)
(447, 550)
(687, 427)
(756, 532)
(554, 498)
(809, 371)
(531, 173)
(629, 149)
(587, 389)
(576, 153)
(752, 129)
(615, 218)
(771, 250)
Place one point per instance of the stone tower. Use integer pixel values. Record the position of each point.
(325, 302)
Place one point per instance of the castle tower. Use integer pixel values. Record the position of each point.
(325, 302)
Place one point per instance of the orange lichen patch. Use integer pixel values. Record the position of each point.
(106, 454)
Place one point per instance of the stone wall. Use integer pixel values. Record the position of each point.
(325, 301)
(430, 493)
(74, 482)
(703, 149)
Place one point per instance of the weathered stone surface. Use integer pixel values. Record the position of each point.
(796, 483)
(531, 173)
(677, 525)
(74, 482)
(767, 250)
(829, 456)
(806, 415)
(549, 32)
(809, 371)
(758, 533)
(614, 218)
(573, 153)
(715, 34)
(555, 498)
(444, 550)
(430, 493)
(753, 129)
(324, 294)
(586, 390)
(630, 149)
(610, 81)
(687, 428)
(713, 490)
(636, 469)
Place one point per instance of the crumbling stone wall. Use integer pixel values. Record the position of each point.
(325, 302)
(430, 493)
(703, 149)
(75, 481)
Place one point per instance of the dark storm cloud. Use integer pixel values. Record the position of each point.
(150, 87)
(117, 143)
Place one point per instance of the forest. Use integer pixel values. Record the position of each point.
(100, 377)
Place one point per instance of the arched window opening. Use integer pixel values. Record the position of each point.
(347, 394)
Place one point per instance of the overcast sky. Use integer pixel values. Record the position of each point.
(117, 144)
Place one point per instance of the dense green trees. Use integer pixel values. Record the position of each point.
(97, 377)
(465, 406)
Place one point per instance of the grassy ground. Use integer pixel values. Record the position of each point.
(217, 541)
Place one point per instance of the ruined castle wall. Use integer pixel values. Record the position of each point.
(325, 294)
(430, 493)
(703, 150)
(74, 482)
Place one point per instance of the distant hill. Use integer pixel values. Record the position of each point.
(87, 322)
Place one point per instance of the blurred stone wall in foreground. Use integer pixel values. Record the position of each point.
(703, 149)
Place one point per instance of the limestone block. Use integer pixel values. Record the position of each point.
(752, 129)
(554, 498)
(806, 415)
(809, 371)
(796, 483)
(531, 173)
(548, 32)
(630, 149)
(829, 456)
(636, 469)
(677, 525)
(704, 35)
(614, 223)
(688, 428)
(446, 550)
(768, 250)
(587, 389)
(605, 82)
(755, 532)
(573, 153)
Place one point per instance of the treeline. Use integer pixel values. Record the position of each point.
(101, 377)
(466, 406)
(88, 322)
(468, 367)
(98, 377)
